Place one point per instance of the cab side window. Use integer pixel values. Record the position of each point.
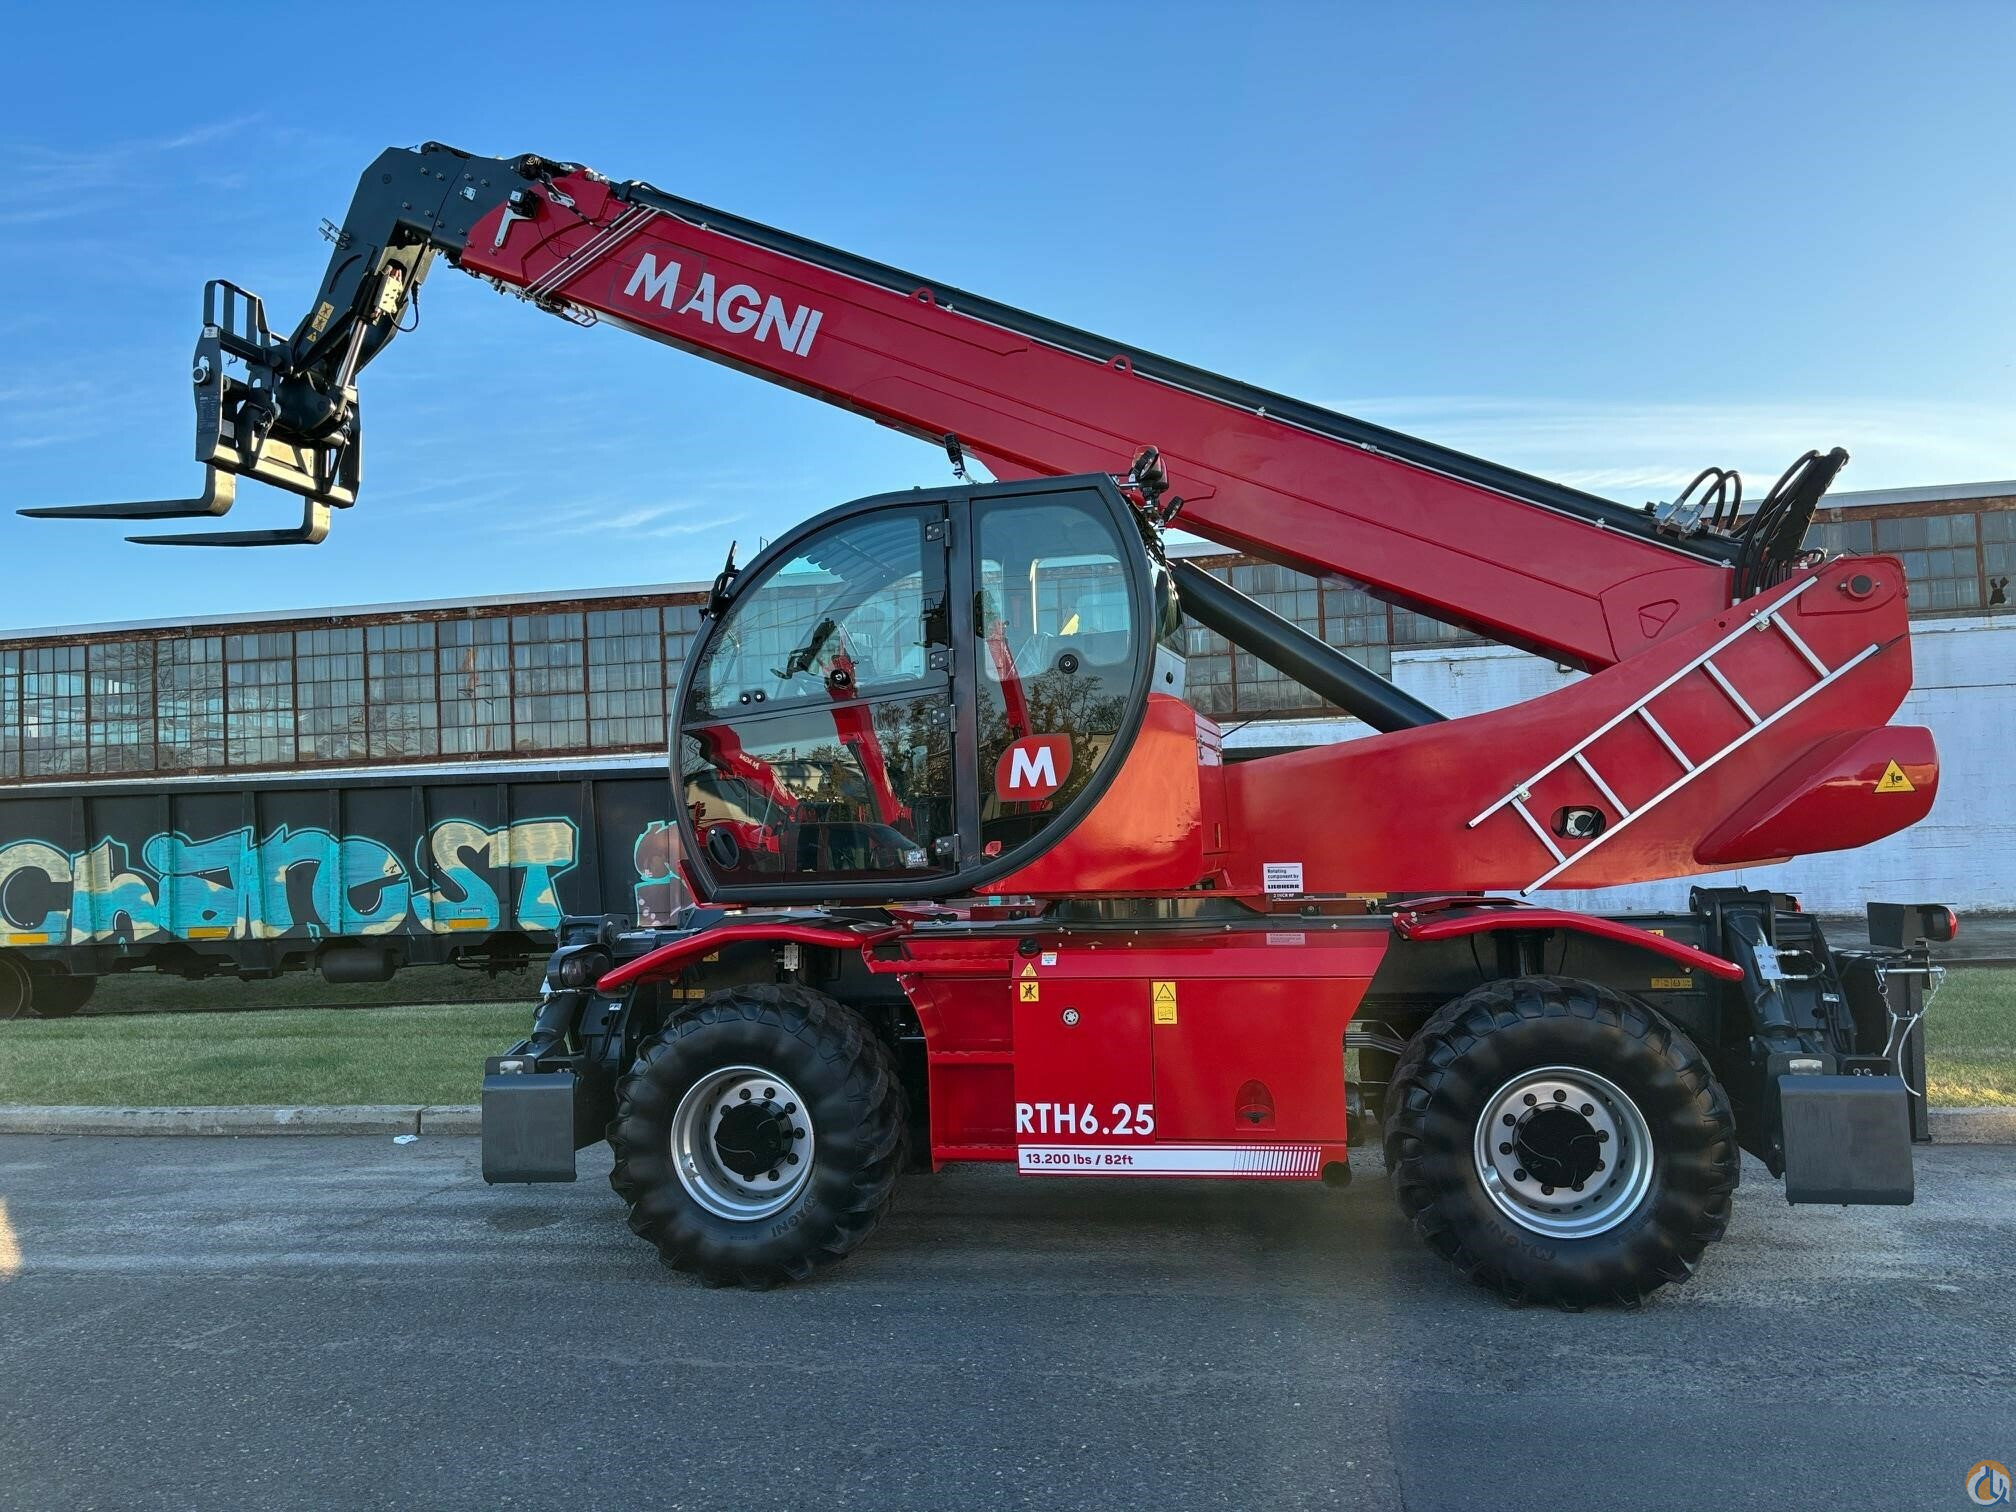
(1057, 619)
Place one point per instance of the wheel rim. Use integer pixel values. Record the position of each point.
(1564, 1152)
(742, 1143)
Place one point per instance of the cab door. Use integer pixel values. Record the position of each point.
(814, 737)
(907, 697)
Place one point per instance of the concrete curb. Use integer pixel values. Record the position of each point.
(405, 1119)
(1981, 1126)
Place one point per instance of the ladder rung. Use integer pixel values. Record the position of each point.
(1756, 621)
(1601, 786)
(1694, 770)
(1672, 745)
(1729, 688)
(1820, 668)
(1539, 829)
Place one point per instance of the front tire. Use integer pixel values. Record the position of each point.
(1559, 1142)
(759, 1136)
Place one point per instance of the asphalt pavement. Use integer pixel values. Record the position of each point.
(345, 1322)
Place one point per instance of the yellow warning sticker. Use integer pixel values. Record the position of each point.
(1028, 971)
(27, 939)
(1893, 780)
(1671, 984)
(1031, 991)
(1164, 999)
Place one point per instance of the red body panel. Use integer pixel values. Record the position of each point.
(1843, 794)
(667, 961)
(1146, 834)
(1445, 924)
(1172, 1038)
(1392, 813)
(1515, 571)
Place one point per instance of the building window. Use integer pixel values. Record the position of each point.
(1356, 623)
(682, 623)
(52, 711)
(1842, 538)
(1296, 597)
(549, 703)
(1207, 673)
(189, 703)
(475, 669)
(10, 714)
(329, 694)
(626, 679)
(1998, 556)
(1942, 565)
(403, 716)
(121, 675)
(259, 699)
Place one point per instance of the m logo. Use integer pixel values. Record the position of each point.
(1033, 767)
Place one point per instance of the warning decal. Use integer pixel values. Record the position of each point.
(1032, 992)
(1028, 971)
(1893, 780)
(1164, 998)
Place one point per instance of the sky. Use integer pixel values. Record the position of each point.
(1605, 244)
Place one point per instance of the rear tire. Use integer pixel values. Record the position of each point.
(759, 1136)
(1629, 1140)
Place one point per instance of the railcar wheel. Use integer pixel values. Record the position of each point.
(759, 1136)
(60, 996)
(14, 989)
(1559, 1142)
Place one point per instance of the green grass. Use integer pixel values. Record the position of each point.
(429, 1055)
(434, 1054)
(1970, 1039)
(151, 992)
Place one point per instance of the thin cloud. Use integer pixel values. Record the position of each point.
(1633, 450)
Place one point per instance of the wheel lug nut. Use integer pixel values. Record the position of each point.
(1504, 1149)
(1603, 1136)
(1559, 1095)
(745, 1094)
(768, 1093)
(1510, 1121)
(1531, 1100)
(1518, 1173)
(798, 1133)
(1599, 1165)
(791, 1160)
(1587, 1109)
(773, 1175)
(1546, 1191)
(1578, 1186)
(790, 1107)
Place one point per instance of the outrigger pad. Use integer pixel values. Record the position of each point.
(1847, 1139)
(528, 1127)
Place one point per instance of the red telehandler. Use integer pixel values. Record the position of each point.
(970, 871)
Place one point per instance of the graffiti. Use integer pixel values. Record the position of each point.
(660, 891)
(304, 883)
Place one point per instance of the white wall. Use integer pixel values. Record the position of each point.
(1963, 853)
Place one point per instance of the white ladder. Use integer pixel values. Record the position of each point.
(1763, 621)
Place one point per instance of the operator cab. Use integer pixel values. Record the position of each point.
(913, 694)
